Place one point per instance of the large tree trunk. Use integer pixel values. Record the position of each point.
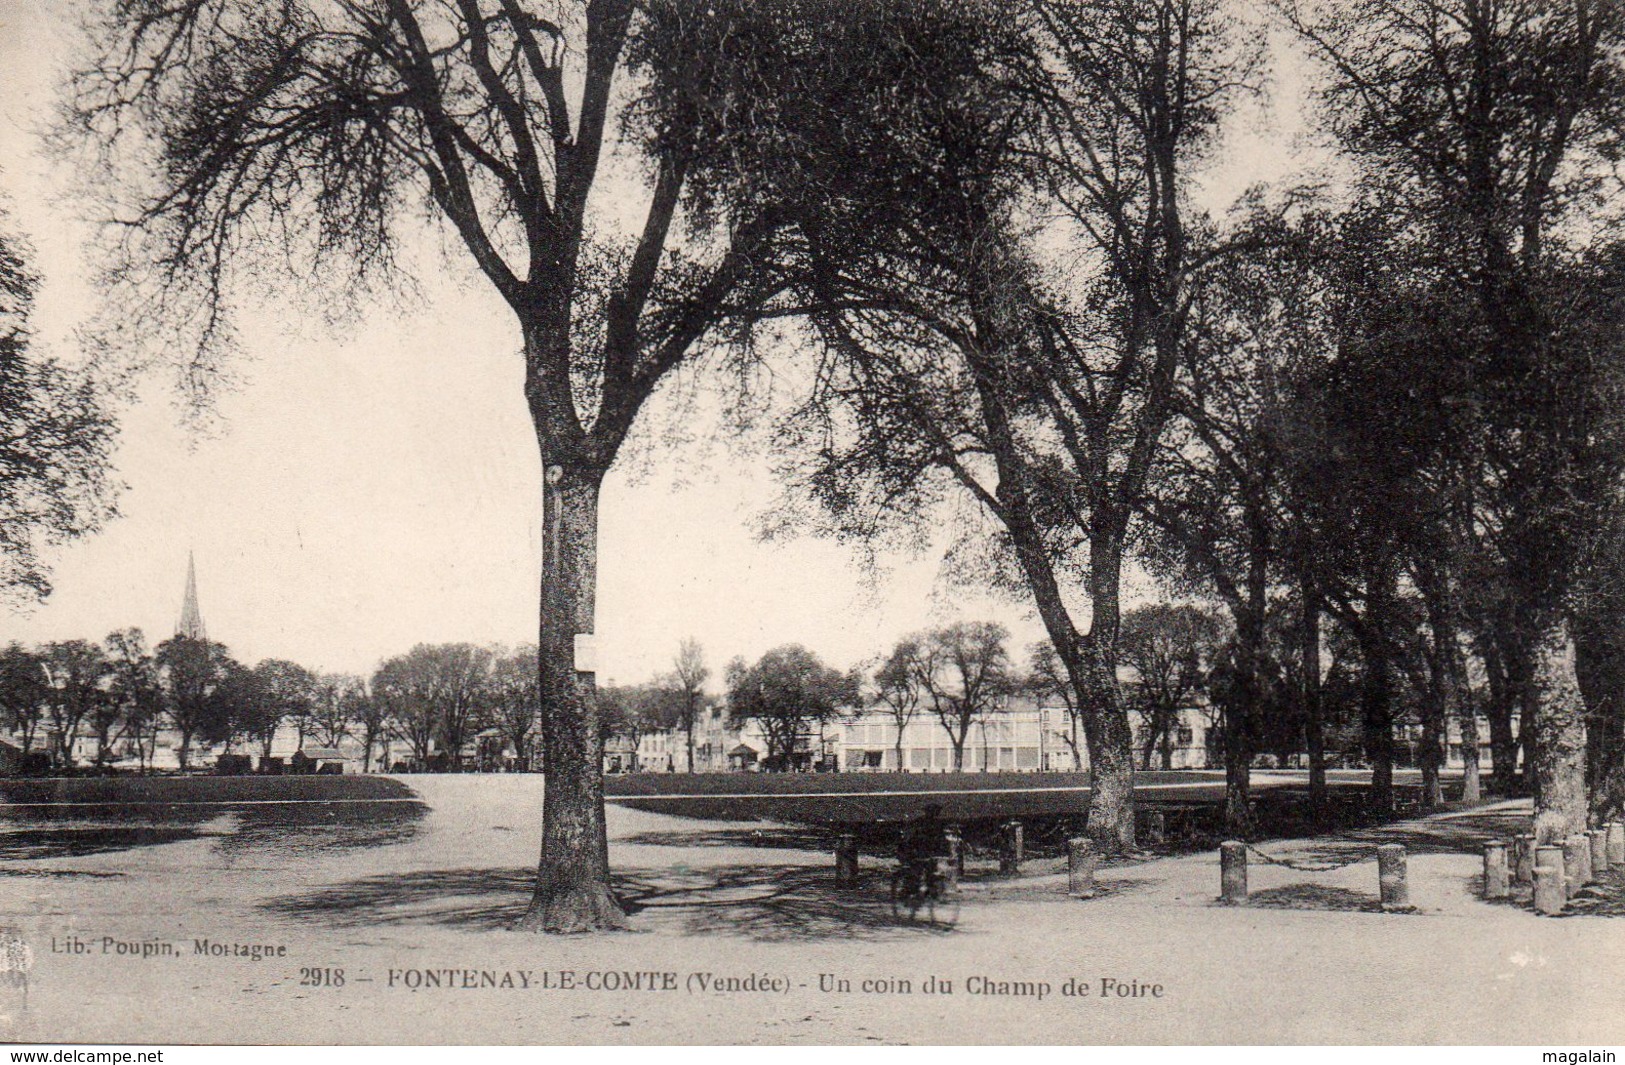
(1431, 756)
(1110, 741)
(1241, 721)
(1238, 759)
(1091, 666)
(1504, 674)
(1377, 717)
(1149, 747)
(1560, 736)
(1458, 700)
(1600, 664)
(1472, 788)
(1314, 723)
(1377, 690)
(572, 884)
(1243, 714)
(1106, 726)
(1436, 704)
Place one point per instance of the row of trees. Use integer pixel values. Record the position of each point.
(122, 694)
(431, 701)
(1395, 402)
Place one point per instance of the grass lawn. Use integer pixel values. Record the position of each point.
(160, 790)
(870, 798)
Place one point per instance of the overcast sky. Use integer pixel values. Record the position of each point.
(376, 488)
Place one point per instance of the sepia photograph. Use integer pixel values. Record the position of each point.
(812, 522)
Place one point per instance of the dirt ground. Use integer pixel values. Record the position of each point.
(740, 936)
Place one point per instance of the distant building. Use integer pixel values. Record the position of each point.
(1021, 735)
(190, 625)
(620, 754)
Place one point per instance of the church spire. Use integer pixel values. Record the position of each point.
(191, 623)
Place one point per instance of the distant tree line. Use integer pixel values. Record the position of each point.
(123, 695)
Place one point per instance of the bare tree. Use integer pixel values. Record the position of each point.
(688, 677)
(236, 134)
(1171, 649)
(192, 672)
(434, 693)
(965, 673)
(133, 683)
(1047, 680)
(516, 704)
(23, 692)
(370, 714)
(333, 699)
(897, 689)
(75, 672)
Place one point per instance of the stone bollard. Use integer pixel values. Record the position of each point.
(1080, 868)
(1156, 826)
(1526, 859)
(1010, 849)
(1552, 857)
(1233, 872)
(1549, 895)
(1391, 883)
(1495, 870)
(1576, 864)
(1599, 852)
(846, 860)
(954, 836)
(1573, 847)
(947, 876)
(1616, 843)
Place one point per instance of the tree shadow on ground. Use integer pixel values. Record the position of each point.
(461, 898)
(1002, 889)
(23, 844)
(294, 832)
(285, 830)
(1605, 898)
(1460, 834)
(768, 903)
(1314, 897)
(35, 871)
(761, 902)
